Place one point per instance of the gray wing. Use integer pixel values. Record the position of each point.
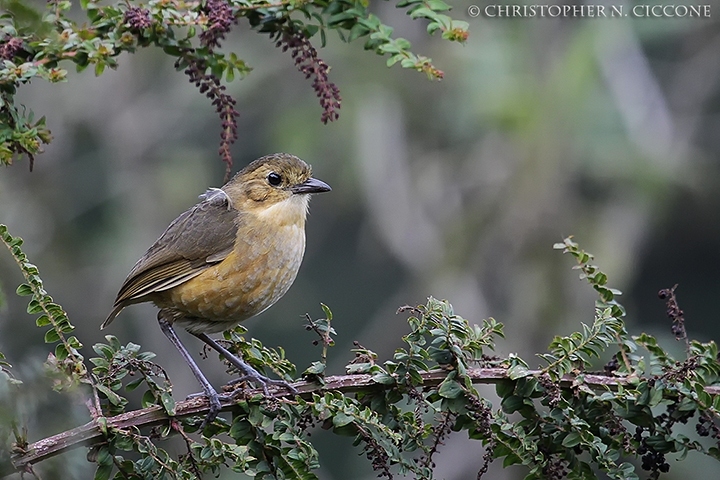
(199, 238)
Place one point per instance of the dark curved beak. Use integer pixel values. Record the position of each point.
(311, 185)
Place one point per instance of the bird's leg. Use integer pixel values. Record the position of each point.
(210, 393)
(249, 372)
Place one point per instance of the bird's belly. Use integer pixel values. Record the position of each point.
(249, 280)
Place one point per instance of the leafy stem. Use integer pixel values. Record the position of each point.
(67, 357)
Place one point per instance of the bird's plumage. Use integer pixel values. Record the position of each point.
(177, 257)
(226, 259)
(252, 228)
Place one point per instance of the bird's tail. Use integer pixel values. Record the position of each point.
(113, 314)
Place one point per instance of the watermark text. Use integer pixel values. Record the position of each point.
(590, 11)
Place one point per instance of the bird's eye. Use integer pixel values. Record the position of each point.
(274, 179)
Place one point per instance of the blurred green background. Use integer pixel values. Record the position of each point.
(605, 128)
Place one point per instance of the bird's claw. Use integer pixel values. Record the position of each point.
(213, 411)
(264, 381)
(215, 404)
(204, 395)
(284, 384)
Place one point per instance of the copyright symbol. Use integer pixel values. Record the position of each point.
(474, 11)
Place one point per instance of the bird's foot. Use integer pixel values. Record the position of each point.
(220, 396)
(251, 375)
(210, 393)
(214, 401)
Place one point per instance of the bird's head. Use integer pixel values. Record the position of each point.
(275, 183)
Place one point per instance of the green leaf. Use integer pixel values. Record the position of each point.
(113, 397)
(60, 351)
(134, 384)
(103, 472)
(422, 12)
(357, 31)
(433, 27)
(526, 386)
(449, 388)
(512, 404)
(437, 5)
(518, 371)
(148, 399)
(34, 307)
(505, 388)
(383, 378)
(168, 403)
(656, 396)
(51, 336)
(326, 311)
(659, 443)
(341, 419)
(571, 439)
(24, 290)
(714, 452)
(316, 368)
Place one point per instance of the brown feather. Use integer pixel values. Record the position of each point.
(177, 257)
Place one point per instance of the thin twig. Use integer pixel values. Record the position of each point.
(626, 360)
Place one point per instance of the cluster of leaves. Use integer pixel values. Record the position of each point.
(558, 421)
(322, 327)
(353, 20)
(116, 363)
(574, 352)
(36, 44)
(257, 355)
(67, 361)
(564, 419)
(439, 340)
(67, 364)
(267, 441)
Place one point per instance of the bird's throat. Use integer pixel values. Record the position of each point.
(291, 211)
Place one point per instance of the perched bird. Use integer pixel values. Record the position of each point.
(228, 258)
